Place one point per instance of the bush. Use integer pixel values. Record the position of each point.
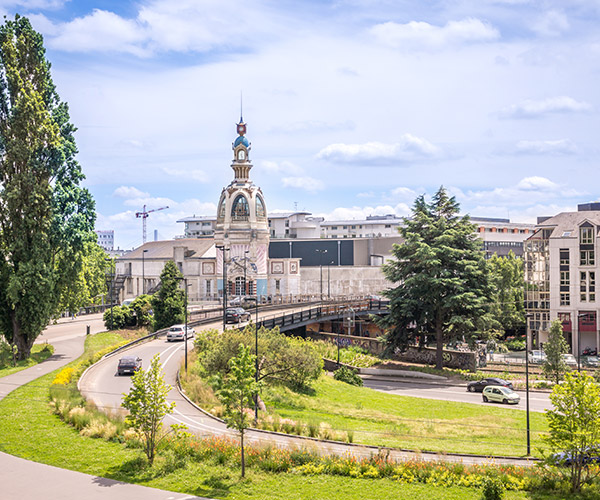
(142, 310)
(492, 489)
(122, 317)
(348, 375)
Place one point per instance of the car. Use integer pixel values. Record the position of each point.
(236, 301)
(591, 361)
(127, 302)
(570, 360)
(129, 364)
(236, 315)
(537, 357)
(568, 458)
(500, 394)
(177, 332)
(480, 385)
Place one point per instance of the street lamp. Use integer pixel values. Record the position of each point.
(112, 277)
(527, 316)
(144, 272)
(222, 248)
(328, 281)
(321, 252)
(185, 284)
(579, 316)
(246, 252)
(256, 355)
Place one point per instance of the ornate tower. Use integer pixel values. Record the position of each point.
(242, 226)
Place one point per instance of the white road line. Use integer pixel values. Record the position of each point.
(174, 348)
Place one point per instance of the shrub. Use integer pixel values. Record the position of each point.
(122, 317)
(348, 375)
(492, 489)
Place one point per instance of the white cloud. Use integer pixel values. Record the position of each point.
(404, 193)
(537, 184)
(367, 194)
(307, 183)
(281, 167)
(552, 105)
(559, 147)
(196, 175)
(361, 213)
(313, 126)
(129, 192)
(552, 23)
(408, 149)
(422, 35)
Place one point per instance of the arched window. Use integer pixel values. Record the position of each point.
(240, 209)
(221, 210)
(240, 286)
(260, 208)
(241, 154)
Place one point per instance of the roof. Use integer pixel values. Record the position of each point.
(201, 247)
(285, 215)
(199, 218)
(569, 221)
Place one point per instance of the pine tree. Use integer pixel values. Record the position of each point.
(442, 284)
(168, 303)
(45, 216)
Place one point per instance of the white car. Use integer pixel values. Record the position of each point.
(537, 357)
(177, 332)
(570, 360)
(500, 394)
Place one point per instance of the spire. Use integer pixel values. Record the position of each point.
(241, 107)
(241, 148)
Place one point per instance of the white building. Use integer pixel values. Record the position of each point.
(106, 239)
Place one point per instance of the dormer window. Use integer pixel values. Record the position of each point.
(586, 235)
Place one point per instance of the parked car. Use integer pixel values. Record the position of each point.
(177, 332)
(537, 357)
(243, 301)
(127, 302)
(591, 361)
(479, 385)
(570, 360)
(500, 394)
(129, 364)
(236, 315)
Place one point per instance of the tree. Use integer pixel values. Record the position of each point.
(554, 365)
(441, 279)
(142, 307)
(574, 427)
(45, 216)
(90, 284)
(507, 281)
(147, 405)
(169, 302)
(237, 391)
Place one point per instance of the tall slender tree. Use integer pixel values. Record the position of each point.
(507, 280)
(442, 284)
(45, 216)
(169, 302)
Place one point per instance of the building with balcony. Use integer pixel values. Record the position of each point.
(560, 277)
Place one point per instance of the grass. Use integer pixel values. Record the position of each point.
(28, 429)
(39, 353)
(380, 419)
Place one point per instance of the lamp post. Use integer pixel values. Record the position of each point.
(185, 342)
(144, 271)
(222, 248)
(321, 252)
(527, 316)
(112, 276)
(579, 316)
(328, 280)
(256, 356)
(246, 252)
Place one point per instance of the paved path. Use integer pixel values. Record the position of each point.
(24, 480)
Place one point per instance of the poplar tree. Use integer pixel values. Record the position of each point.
(442, 285)
(169, 302)
(45, 216)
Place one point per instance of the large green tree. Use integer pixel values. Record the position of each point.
(507, 281)
(441, 280)
(45, 216)
(168, 303)
(554, 365)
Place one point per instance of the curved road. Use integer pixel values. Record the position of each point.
(102, 385)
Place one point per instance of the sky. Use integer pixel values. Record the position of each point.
(353, 107)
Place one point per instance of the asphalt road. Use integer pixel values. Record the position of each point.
(538, 401)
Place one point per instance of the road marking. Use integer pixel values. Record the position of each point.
(174, 348)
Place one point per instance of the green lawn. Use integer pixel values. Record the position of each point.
(381, 419)
(39, 353)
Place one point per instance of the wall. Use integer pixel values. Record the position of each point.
(343, 280)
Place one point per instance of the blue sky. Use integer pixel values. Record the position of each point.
(353, 107)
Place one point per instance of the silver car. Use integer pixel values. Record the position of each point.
(177, 332)
(500, 395)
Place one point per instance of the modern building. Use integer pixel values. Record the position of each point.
(106, 239)
(560, 277)
(198, 226)
(501, 236)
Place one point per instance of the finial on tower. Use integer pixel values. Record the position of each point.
(241, 107)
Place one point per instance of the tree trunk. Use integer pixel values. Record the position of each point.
(243, 458)
(21, 340)
(439, 349)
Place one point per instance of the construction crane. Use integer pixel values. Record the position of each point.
(144, 215)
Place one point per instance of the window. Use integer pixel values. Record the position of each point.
(564, 278)
(334, 228)
(260, 208)
(583, 286)
(277, 286)
(592, 286)
(241, 154)
(586, 258)
(586, 235)
(208, 288)
(221, 210)
(345, 227)
(240, 285)
(565, 299)
(564, 257)
(240, 209)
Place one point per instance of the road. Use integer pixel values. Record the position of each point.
(538, 401)
(102, 385)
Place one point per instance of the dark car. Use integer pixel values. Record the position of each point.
(566, 459)
(479, 385)
(236, 315)
(129, 364)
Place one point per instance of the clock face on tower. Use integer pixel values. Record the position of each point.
(241, 128)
